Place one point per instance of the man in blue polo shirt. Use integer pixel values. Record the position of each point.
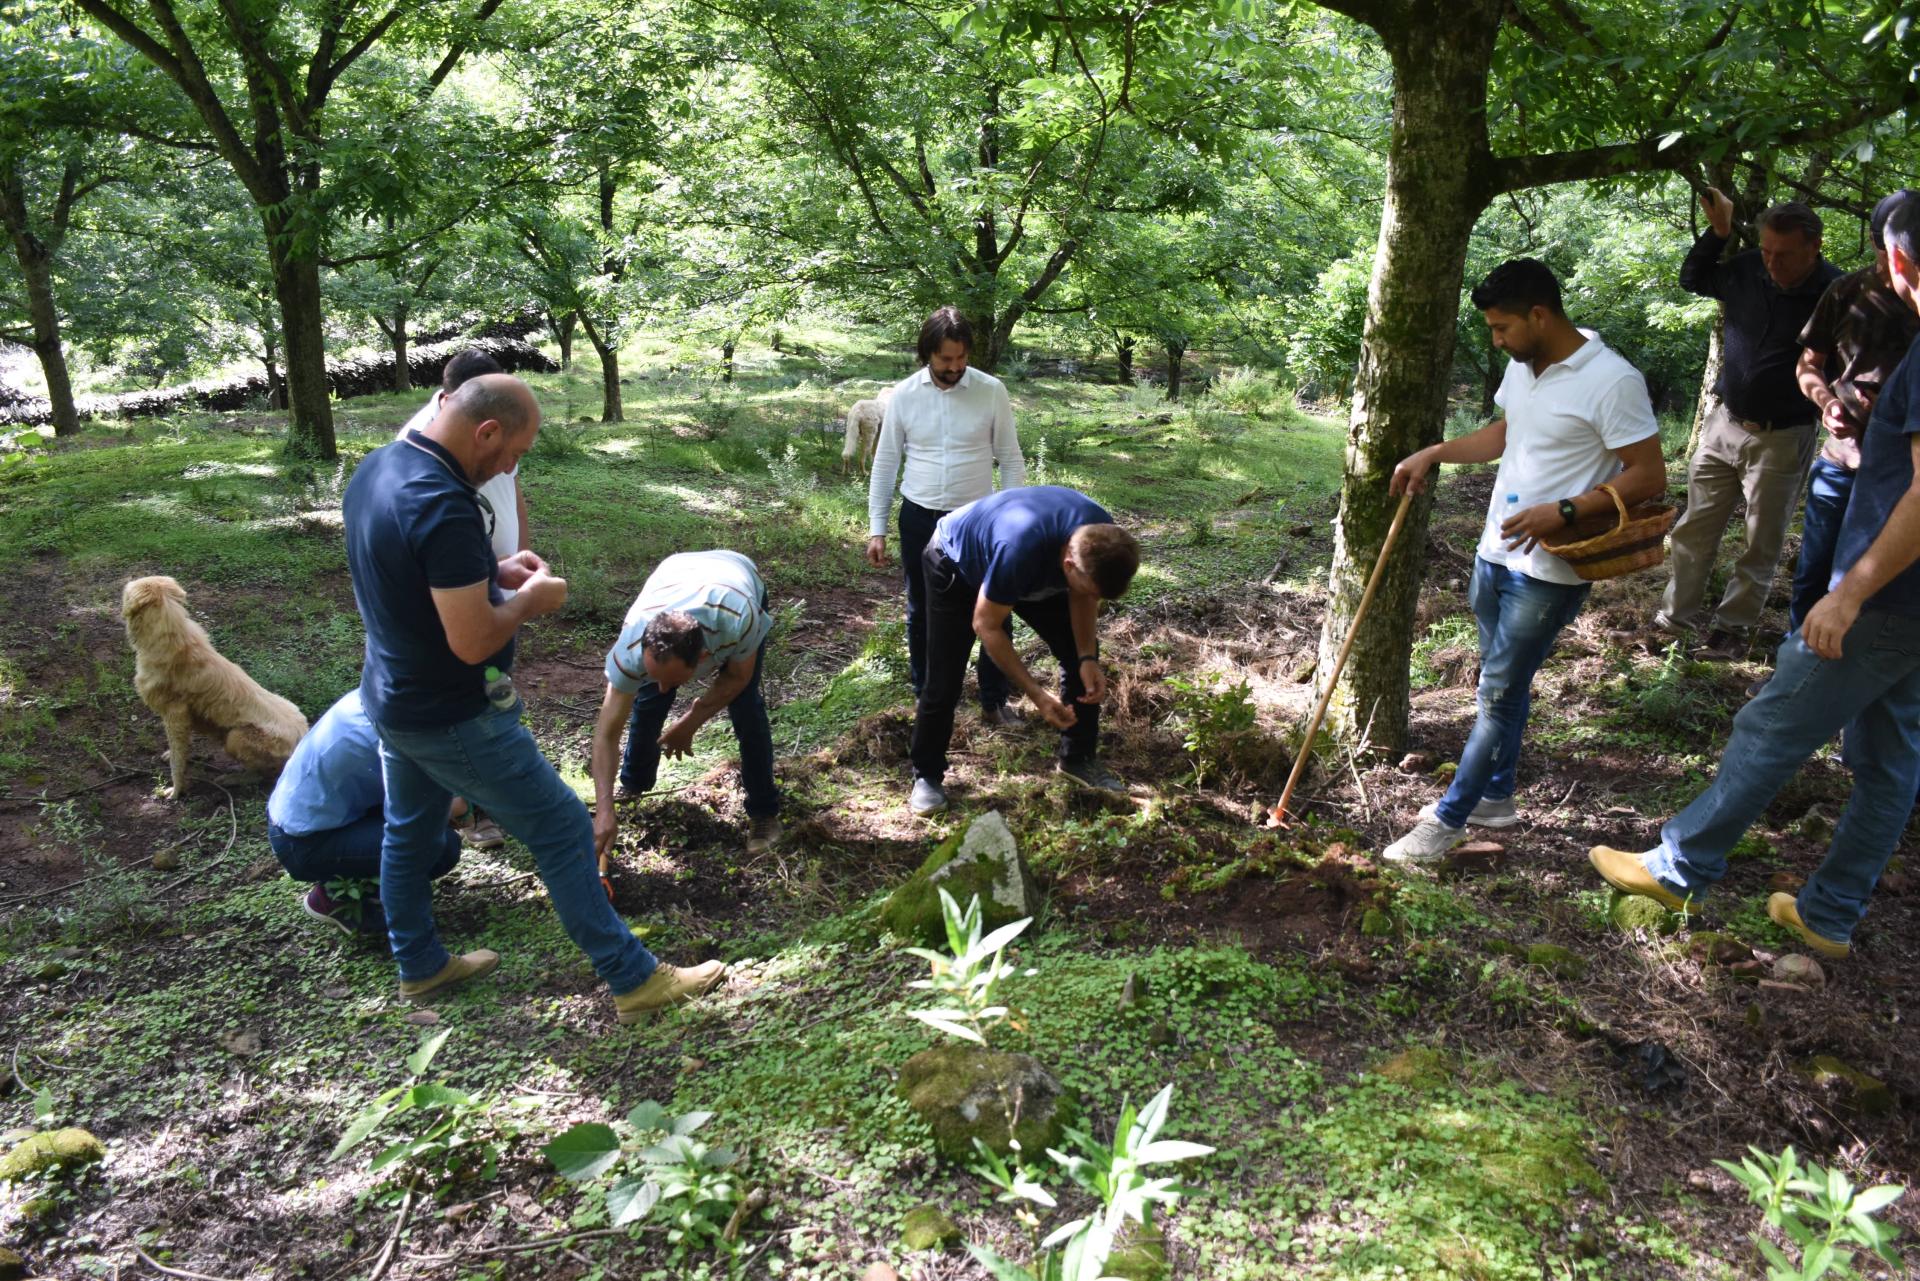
(699, 614)
(1854, 664)
(1049, 555)
(436, 685)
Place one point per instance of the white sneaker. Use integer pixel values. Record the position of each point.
(1486, 814)
(1428, 842)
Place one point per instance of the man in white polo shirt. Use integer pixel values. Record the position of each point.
(699, 614)
(1576, 416)
(951, 423)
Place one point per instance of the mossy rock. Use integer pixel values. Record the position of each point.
(928, 1227)
(1376, 924)
(1141, 1258)
(39, 1210)
(1710, 947)
(1867, 1094)
(56, 1149)
(1630, 912)
(981, 861)
(1418, 1068)
(12, 1266)
(960, 1091)
(1562, 963)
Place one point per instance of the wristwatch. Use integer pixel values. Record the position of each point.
(1568, 512)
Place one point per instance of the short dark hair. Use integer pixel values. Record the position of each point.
(1903, 228)
(674, 633)
(943, 326)
(466, 365)
(1110, 555)
(1518, 285)
(1877, 224)
(1792, 215)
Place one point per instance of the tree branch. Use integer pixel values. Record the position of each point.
(448, 63)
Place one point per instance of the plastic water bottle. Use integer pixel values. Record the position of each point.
(499, 688)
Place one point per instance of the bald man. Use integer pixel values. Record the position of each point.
(437, 685)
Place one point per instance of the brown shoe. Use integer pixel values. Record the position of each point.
(670, 985)
(1659, 634)
(473, 965)
(763, 834)
(1726, 645)
(1785, 911)
(1626, 873)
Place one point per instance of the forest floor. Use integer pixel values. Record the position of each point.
(1400, 1081)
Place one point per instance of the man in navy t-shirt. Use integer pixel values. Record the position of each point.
(1854, 664)
(1049, 555)
(438, 689)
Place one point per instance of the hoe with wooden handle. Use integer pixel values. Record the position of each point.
(1277, 816)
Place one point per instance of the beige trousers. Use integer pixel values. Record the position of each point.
(1768, 469)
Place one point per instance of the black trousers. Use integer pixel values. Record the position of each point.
(949, 634)
(916, 530)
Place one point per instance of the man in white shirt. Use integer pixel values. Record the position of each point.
(951, 423)
(505, 508)
(1576, 416)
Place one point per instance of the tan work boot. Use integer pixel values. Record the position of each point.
(1785, 911)
(1626, 873)
(473, 965)
(763, 834)
(669, 985)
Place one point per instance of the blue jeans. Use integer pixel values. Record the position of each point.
(348, 853)
(1828, 487)
(1518, 617)
(640, 763)
(493, 761)
(1873, 691)
(916, 531)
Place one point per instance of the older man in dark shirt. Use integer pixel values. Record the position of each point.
(1858, 336)
(1760, 436)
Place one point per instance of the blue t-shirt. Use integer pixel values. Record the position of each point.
(1009, 543)
(413, 524)
(333, 776)
(1885, 475)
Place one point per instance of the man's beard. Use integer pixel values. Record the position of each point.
(947, 380)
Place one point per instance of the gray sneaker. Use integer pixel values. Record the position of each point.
(1488, 813)
(927, 799)
(1089, 772)
(1428, 842)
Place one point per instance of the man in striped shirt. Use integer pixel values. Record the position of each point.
(700, 614)
(950, 423)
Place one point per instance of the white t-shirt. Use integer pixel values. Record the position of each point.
(950, 438)
(1563, 429)
(501, 492)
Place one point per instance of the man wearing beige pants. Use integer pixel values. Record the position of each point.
(1759, 439)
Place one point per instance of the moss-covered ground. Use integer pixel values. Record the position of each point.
(1397, 1085)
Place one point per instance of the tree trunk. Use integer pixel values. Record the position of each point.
(296, 285)
(562, 331)
(1436, 161)
(1123, 352)
(609, 353)
(397, 334)
(1716, 355)
(37, 271)
(726, 360)
(276, 385)
(1176, 356)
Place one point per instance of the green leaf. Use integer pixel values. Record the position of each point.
(431, 1095)
(648, 1115)
(366, 1123)
(631, 1200)
(692, 1121)
(1170, 1150)
(586, 1151)
(417, 1061)
(42, 1103)
(1875, 1199)
(938, 1019)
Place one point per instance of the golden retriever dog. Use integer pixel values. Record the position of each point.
(863, 432)
(191, 687)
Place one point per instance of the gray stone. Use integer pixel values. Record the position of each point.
(962, 1092)
(928, 1227)
(982, 861)
(1804, 970)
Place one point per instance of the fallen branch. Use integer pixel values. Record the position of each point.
(523, 1247)
(11, 801)
(385, 1260)
(158, 1266)
(233, 833)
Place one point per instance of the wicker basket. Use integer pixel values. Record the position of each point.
(1598, 547)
